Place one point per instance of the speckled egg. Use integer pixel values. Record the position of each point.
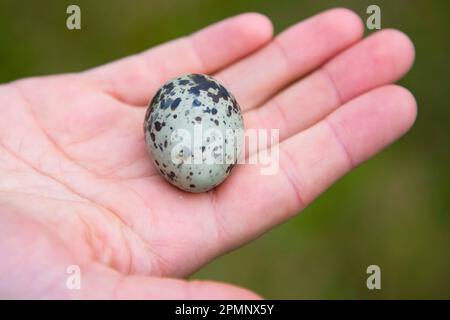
(194, 132)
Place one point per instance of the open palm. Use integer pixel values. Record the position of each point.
(78, 188)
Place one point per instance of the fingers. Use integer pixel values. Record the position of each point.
(135, 79)
(311, 161)
(380, 59)
(293, 53)
(102, 283)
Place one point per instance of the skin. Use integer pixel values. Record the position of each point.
(77, 187)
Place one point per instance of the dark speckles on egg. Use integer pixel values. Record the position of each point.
(230, 108)
(207, 110)
(229, 168)
(175, 103)
(186, 103)
(172, 175)
(158, 125)
(168, 87)
(165, 103)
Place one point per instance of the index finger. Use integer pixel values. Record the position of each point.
(134, 79)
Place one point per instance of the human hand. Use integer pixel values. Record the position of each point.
(78, 188)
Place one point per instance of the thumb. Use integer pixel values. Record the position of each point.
(99, 282)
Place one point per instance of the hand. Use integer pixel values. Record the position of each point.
(77, 186)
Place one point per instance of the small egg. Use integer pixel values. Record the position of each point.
(194, 132)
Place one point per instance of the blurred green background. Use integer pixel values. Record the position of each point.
(394, 211)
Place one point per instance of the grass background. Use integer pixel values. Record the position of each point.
(394, 211)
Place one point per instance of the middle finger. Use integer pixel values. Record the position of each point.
(295, 52)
